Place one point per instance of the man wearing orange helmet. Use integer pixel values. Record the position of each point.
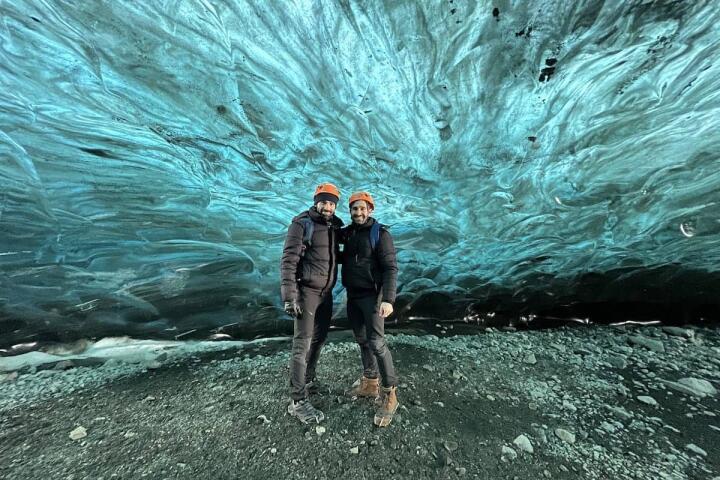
(369, 275)
(308, 274)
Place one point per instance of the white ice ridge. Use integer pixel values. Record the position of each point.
(120, 349)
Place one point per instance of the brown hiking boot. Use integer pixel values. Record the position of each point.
(388, 406)
(365, 387)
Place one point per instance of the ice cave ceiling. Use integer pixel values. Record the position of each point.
(526, 155)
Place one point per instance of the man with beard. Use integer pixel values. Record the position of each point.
(369, 275)
(308, 274)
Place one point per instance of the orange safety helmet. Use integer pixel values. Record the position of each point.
(325, 189)
(362, 196)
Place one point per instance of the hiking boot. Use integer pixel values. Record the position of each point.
(365, 387)
(388, 406)
(305, 412)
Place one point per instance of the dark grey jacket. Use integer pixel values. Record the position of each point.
(316, 268)
(364, 272)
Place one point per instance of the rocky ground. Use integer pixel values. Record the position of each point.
(591, 403)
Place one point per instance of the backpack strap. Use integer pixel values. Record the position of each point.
(374, 235)
(308, 230)
(374, 240)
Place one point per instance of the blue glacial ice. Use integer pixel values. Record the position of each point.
(526, 155)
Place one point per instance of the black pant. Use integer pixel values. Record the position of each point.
(311, 331)
(369, 329)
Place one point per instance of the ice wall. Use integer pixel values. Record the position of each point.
(525, 154)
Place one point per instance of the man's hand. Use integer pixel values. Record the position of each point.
(385, 309)
(293, 309)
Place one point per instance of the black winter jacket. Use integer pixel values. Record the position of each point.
(317, 267)
(365, 273)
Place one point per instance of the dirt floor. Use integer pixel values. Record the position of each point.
(596, 403)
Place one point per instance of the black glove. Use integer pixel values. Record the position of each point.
(293, 309)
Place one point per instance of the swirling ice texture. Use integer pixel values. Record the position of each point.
(153, 153)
